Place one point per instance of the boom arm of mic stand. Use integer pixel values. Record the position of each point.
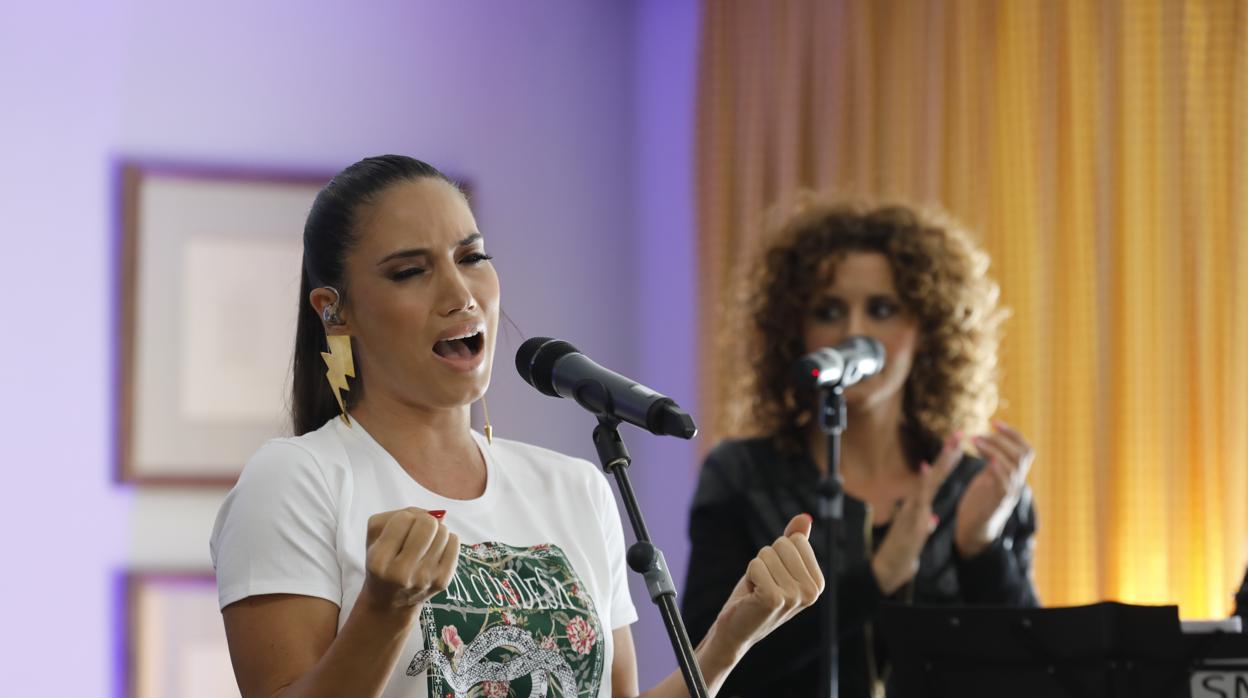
(645, 558)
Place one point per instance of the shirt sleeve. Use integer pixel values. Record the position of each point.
(1001, 575)
(622, 610)
(1241, 600)
(276, 530)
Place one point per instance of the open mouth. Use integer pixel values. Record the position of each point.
(464, 347)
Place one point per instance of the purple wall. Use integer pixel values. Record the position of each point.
(573, 119)
(64, 523)
(666, 469)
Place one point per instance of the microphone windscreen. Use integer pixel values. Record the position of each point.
(867, 346)
(535, 360)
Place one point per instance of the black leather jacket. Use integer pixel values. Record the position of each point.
(746, 495)
(1241, 602)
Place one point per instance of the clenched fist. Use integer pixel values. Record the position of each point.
(781, 580)
(411, 556)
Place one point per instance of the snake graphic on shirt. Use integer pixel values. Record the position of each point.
(514, 622)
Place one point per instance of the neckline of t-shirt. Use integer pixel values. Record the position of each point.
(357, 431)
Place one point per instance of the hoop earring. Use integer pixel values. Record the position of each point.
(487, 429)
(340, 365)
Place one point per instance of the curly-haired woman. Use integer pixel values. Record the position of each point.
(924, 521)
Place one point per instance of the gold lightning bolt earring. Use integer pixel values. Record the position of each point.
(338, 361)
(340, 364)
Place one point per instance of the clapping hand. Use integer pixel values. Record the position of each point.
(897, 560)
(994, 492)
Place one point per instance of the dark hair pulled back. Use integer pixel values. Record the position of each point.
(328, 236)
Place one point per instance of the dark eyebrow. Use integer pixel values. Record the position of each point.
(423, 251)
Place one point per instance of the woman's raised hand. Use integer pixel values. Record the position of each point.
(994, 492)
(781, 580)
(897, 560)
(411, 556)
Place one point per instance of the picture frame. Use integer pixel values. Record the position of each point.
(209, 262)
(174, 642)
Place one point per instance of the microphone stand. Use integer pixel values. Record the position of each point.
(644, 557)
(831, 509)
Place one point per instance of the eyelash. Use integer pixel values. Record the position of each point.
(882, 309)
(879, 309)
(472, 259)
(827, 312)
(406, 273)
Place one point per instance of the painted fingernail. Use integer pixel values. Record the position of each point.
(438, 513)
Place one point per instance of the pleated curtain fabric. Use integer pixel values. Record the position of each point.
(1099, 151)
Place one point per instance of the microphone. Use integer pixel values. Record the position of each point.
(844, 364)
(557, 369)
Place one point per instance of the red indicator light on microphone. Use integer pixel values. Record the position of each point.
(814, 372)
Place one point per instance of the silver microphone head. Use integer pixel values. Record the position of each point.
(845, 364)
(863, 357)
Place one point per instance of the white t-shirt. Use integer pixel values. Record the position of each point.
(541, 580)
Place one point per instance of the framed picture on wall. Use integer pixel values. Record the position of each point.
(209, 274)
(174, 638)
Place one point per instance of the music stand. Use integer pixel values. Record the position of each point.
(1106, 650)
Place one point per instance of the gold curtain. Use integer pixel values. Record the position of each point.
(1100, 151)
